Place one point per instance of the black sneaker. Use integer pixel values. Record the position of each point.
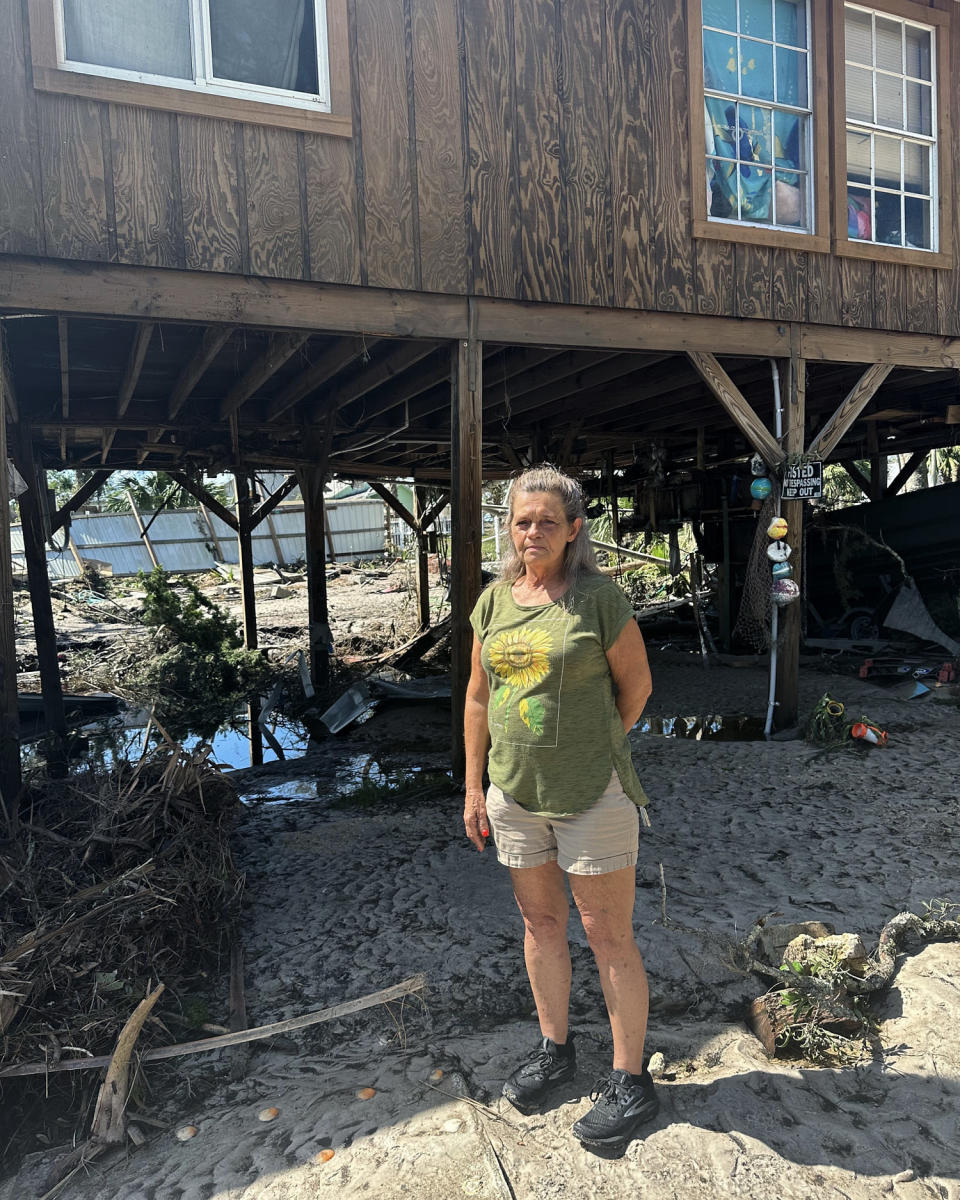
(622, 1105)
(549, 1064)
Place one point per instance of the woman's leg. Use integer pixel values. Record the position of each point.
(605, 903)
(541, 896)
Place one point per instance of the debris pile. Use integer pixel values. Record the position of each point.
(111, 881)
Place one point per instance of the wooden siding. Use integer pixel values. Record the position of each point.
(528, 149)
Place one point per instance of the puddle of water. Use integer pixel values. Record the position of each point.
(285, 792)
(710, 728)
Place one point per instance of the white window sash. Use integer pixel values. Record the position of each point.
(204, 80)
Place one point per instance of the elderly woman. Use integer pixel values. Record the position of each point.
(559, 674)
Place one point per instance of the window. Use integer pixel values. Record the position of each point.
(286, 60)
(754, 77)
(757, 111)
(891, 106)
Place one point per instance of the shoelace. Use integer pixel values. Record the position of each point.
(605, 1088)
(544, 1060)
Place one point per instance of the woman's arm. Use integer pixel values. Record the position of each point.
(631, 673)
(476, 737)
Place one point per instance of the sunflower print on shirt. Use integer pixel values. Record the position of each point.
(521, 657)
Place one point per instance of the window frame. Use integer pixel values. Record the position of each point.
(220, 99)
(817, 238)
(939, 20)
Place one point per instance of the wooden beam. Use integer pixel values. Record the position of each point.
(248, 601)
(271, 502)
(739, 411)
(282, 348)
(34, 551)
(853, 404)
(329, 364)
(858, 477)
(312, 481)
(392, 502)
(79, 498)
(6, 384)
(200, 494)
(63, 339)
(131, 376)
(138, 352)
(423, 566)
(145, 537)
(787, 691)
(375, 375)
(434, 511)
(212, 342)
(466, 477)
(10, 779)
(905, 472)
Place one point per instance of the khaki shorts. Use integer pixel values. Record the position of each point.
(602, 839)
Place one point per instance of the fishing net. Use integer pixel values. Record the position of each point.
(753, 621)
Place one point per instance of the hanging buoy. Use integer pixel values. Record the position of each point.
(777, 528)
(778, 551)
(782, 570)
(761, 488)
(757, 465)
(784, 591)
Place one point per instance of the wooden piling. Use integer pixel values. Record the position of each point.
(9, 717)
(248, 599)
(787, 693)
(311, 481)
(466, 479)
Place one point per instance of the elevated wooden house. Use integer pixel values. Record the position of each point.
(441, 238)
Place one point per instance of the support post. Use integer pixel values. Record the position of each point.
(311, 481)
(34, 551)
(466, 479)
(9, 716)
(787, 695)
(423, 574)
(248, 599)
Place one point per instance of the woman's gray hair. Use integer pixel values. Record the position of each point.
(578, 557)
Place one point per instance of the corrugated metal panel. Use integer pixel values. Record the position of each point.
(182, 540)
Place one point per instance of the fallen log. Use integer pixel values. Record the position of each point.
(416, 983)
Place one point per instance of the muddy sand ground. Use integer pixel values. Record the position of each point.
(341, 902)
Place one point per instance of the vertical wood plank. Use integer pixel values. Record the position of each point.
(21, 217)
(273, 202)
(628, 58)
(889, 296)
(331, 187)
(856, 292)
(146, 186)
(667, 105)
(381, 50)
(585, 142)
(211, 195)
(466, 478)
(488, 32)
(543, 230)
(752, 280)
(921, 300)
(715, 278)
(948, 282)
(788, 285)
(823, 289)
(74, 196)
(439, 138)
(312, 480)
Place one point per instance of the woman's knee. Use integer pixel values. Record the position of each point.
(609, 940)
(545, 923)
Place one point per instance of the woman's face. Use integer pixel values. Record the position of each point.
(540, 531)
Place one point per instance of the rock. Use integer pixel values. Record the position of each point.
(774, 939)
(657, 1065)
(846, 948)
(281, 593)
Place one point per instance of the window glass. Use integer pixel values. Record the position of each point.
(130, 35)
(260, 41)
(756, 111)
(890, 143)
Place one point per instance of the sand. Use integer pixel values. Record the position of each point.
(340, 903)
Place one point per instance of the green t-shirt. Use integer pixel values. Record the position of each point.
(555, 732)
